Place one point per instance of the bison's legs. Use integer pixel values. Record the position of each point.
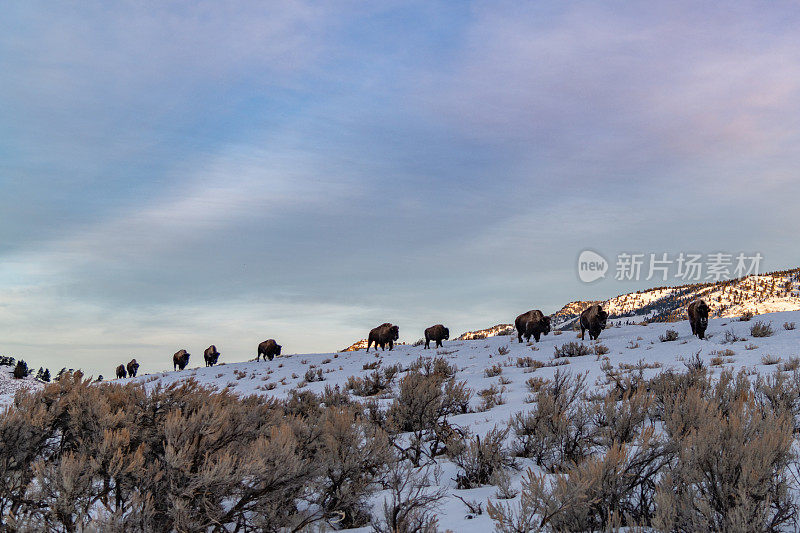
(438, 344)
(582, 330)
(537, 336)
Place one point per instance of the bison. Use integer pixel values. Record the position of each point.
(384, 334)
(269, 349)
(698, 317)
(211, 355)
(594, 319)
(121, 372)
(133, 368)
(180, 359)
(532, 323)
(437, 333)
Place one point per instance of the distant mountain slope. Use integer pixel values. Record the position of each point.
(494, 331)
(765, 293)
(362, 345)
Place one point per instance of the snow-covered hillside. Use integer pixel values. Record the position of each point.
(9, 386)
(629, 347)
(767, 293)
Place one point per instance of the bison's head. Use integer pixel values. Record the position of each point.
(395, 332)
(702, 313)
(602, 318)
(279, 349)
(446, 334)
(546, 321)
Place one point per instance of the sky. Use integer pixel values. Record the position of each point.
(177, 174)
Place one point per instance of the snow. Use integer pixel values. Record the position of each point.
(473, 356)
(9, 385)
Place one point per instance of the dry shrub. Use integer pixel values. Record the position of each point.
(529, 362)
(480, 458)
(378, 382)
(788, 326)
(437, 366)
(491, 396)
(535, 384)
(746, 316)
(312, 375)
(558, 429)
(768, 359)
(502, 480)
(599, 494)
(503, 350)
(620, 419)
(411, 503)
(761, 329)
(352, 455)
(791, 365)
(669, 336)
(422, 408)
(601, 349)
(780, 393)
(730, 473)
(493, 371)
(81, 457)
(571, 349)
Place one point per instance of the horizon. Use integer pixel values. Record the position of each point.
(181, 175)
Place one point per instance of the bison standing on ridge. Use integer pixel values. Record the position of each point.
(532, 323)
(437, 333)
(594, 319)
(121, 372)
(133, 368)
(211, 355)
(698, 317)
(269, 349)
(384, 334)
(180, 360)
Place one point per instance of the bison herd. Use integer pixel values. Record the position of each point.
(531, 324)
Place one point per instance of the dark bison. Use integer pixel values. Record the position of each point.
(437, 333)
(211, 355)
(121, 372)
(532, 323)
(698, 317)
(269, 349)
(180, 359)
(384, 334)
(133, 368)
(594, 319)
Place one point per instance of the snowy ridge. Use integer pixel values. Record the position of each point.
(766, 293)
(628, 344)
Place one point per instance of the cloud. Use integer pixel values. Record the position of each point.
(624, 89)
